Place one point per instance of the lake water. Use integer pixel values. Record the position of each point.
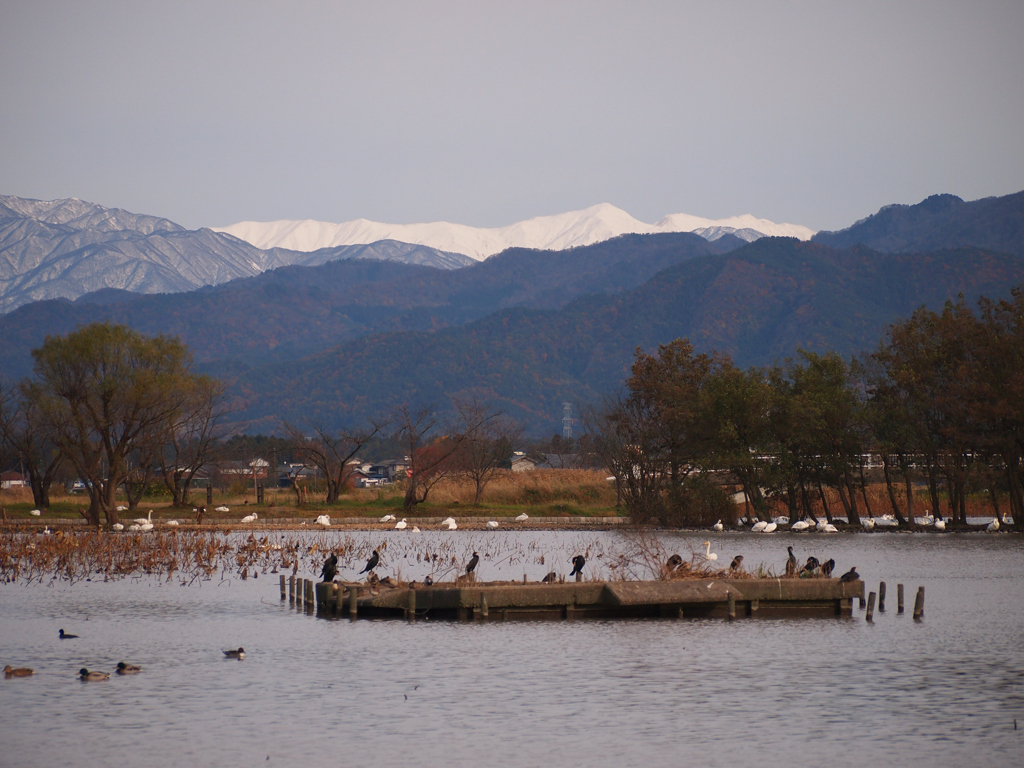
(316, 692)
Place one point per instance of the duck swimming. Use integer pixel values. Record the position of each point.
(85, 674)
(10, 671)
(65, 636)
(127, 669)
(236, 654)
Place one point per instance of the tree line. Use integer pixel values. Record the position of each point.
(121, 411)
(940, 401)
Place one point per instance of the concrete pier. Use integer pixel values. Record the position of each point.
(510, 601)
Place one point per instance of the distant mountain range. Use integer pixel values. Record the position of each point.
(337, 340)
(67, 248)
(553, 233)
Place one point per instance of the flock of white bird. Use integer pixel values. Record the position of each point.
(823, 526)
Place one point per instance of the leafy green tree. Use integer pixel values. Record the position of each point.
(106, 392)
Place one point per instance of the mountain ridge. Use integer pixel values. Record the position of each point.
(558, 232)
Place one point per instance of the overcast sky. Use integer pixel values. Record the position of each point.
(485, 114)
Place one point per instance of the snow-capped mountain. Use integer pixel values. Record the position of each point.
(566, 230)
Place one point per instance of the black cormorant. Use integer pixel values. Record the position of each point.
(330, 569)
(737, 563)
(811, 565)
(674, 562)
(428, 580)
(372, 562)
(551, 578)
(577, 564)
(791, 562)
(472, 563)
(827, 567)
(850, 575)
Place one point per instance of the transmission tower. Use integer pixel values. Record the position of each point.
(567, 420)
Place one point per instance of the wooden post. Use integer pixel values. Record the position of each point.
(881, 597)
(899, 598)
(871, 607)
(310, 600)
(579, 577)
(483, 607)
(353, 601)
(410, 611)
(860, 604)
(284, 589)
(919, 603)
(209, 495)
(732, 605)
(524, 578)
(291, 588)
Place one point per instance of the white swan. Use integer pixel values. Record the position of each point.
(822, 523)
(759, 527)
(522, 518)
(172, 523)
(926, 520)
(140, 520)
(222, 509)
(388, 519)
(324, 520)
(449, 523)
(708, 554)
(146, 527)
(993, 526)
(800, 525)
(869, 524)
(718, 526)
(401, 525)
(940, 525)
(771, 527)
(35, 513)
(415, 529)
(250, 518)
(117, 527)
(492, 524)
(134, 527)
(829, 528)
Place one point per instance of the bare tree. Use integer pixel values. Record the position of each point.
(331, 452)
(23, 434)
(486, 446)
(431, 455)
(189, 438)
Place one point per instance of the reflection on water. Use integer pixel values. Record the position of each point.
(314, 692)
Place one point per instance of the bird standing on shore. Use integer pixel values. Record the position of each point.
(850, 575)
(718, 526)
(471, 565)
(330, 569)
(372, 562)
(577, 564)
(737, 563)
(827, 567)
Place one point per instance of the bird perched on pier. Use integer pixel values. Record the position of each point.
(827, 567)
(577, 564)
(372, 562)
(551, 578)
(65, 636)
(10, 671)
(330, 569)
(85, 674)
(428, 581)
(737, 563)
(810, 566)
(674, 562)
(850, 575)
(472, 563)
(237, 653)
(790, 562)
(127, 669)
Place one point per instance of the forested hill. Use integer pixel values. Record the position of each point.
(759, 303)
(294, 311)
(941, 221)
